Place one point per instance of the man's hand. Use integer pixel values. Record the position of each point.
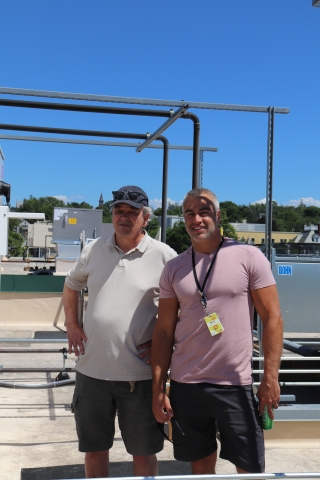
(76, 338)
(268, 394)
(161, 407)
(146, 354)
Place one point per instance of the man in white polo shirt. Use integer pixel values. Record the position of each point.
(122, 274)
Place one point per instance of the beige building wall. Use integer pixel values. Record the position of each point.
(259, 237)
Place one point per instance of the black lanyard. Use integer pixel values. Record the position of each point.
(203, 300)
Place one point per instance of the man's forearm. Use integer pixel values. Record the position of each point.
(70, 303)
(162, 347)
(272, 342)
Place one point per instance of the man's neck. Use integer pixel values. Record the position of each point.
(126, 243)
(207, 246)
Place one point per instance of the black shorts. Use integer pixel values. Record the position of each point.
(95, 403)
(197, 407)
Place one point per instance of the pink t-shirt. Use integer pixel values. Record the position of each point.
(224, 358)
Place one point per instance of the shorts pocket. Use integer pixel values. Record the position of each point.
(75, 401)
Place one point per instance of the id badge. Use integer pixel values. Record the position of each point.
(213, 323)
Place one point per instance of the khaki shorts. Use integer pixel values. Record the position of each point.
(95, 403)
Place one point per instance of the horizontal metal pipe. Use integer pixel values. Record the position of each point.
(290, 371)
(72, 131)
(242, 476)
(33, 340)
(297, 348)
(137, 101)
(33, 350)
(71, 107)
(290, 384)
(60, 383)
(299, 359)
(45, 369)
(31, 138)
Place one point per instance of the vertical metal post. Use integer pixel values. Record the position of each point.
(164, 189)
(268, 235)
(268, 224)
(201, 169)
(196, 153)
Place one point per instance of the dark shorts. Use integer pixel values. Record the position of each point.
(198, 407)
(95, 403)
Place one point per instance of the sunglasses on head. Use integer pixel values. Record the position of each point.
(127, 194)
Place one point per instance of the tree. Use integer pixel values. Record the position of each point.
(232, 211)
(15, 242)
(41, 205)
(79, 205)
(228, 229)
(173, 209)
(106, 212)
(152, 227)
(178, 238)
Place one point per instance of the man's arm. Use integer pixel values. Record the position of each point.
(162, 346)
(75, 333)
(266, 302)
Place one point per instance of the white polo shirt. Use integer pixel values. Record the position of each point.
(122, 307)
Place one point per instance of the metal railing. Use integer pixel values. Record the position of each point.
(246, 476)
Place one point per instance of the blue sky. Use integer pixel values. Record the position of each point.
(249, 53)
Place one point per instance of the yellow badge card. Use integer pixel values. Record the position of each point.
(213, 323)
(72, 221)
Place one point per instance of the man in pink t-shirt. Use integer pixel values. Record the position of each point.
(204, 333)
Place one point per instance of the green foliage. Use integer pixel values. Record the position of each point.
(232, 211)
(15, 242)
(106, 212)
(228, 229)
(153, 227)
(285, 218)
(178, 238)
(79, 205)
(13, 224)
(41, 205)
(173, 209)
(158, 212)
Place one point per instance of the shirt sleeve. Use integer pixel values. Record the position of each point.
(261, 274)
(76, 278)
(166, 287)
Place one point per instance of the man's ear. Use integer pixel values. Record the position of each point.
(218, 216)
(145, 220)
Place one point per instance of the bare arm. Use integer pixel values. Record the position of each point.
(75, 333)
(162, 345)
(266, 302)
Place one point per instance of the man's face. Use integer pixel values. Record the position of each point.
(202, 222)
(128, 221)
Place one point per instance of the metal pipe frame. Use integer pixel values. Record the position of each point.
(246, 476)
(57, 383)
(270, 144)
(300, 359)
(296, 384)
(67, 369)
(173, 116)
(99, 133)
(34, 350)
(291, 371)
(33, 370)
(100, 143)
(138, 101)
(33, 340)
